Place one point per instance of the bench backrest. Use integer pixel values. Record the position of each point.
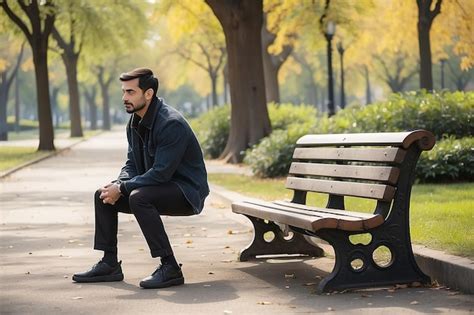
(368, 165)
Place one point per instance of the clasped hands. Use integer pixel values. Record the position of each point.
(110, 193)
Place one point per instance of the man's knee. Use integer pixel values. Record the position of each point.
(137, 200)
(97, 195)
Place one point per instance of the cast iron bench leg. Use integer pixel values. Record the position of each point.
(402, 269)
(279, 245)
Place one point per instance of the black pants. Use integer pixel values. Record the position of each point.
(148, 204)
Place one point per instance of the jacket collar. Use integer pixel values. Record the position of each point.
(149, 118)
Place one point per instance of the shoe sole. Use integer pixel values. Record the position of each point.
(160, 285)
(108, 278)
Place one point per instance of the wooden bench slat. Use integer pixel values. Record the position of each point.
(372, 191)
(346, 220)
(307, 219)
(356, 214)
(387, 155)
(379, 173)
(293, 219)
(314, 212)
(425, 139)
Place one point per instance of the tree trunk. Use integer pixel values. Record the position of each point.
(225, 73)
(106, 107)
(425, 20)
(368, 93)
(3, 107)
(104, 89)
(70, 62)
(55, 106)
(90, 98)
(213, 77)
(242, 22)
(272, 90)
(4, 92)
(426, 76)
(46, 131)
(17, 103)
(38, 35)
(312, 92)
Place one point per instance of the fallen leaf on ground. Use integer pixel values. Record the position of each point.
(309, 284)
(210, 273)
(77, 298)
(414, 302)
(189, 241)
(264, 303)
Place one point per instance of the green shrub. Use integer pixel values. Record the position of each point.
(212, 130)
(445, 113)
(450, 159)
(271, 157)
(284, 115)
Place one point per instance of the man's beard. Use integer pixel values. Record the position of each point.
(135, 109)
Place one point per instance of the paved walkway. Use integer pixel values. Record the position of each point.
(47, 227)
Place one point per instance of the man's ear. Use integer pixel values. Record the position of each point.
(149, 94)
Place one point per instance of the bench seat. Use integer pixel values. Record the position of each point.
(307, 217)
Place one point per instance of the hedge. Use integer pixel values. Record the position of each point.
(448, 115)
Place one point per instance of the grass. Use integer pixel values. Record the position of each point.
(441, 215)
(12, 156)
(15, 156)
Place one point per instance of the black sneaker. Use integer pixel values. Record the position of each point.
(100, 272)
(164, 276)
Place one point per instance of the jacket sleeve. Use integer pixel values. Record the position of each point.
(170, 148)
(129, 170)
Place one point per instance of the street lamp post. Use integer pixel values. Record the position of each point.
(329, 33)
(341, 50)
(443, 61)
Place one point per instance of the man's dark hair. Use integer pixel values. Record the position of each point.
(146, 79)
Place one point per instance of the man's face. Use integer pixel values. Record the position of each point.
(132, 96)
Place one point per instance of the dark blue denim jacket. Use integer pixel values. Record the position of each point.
(171, 153)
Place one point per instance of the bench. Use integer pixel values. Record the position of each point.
(377, 166)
